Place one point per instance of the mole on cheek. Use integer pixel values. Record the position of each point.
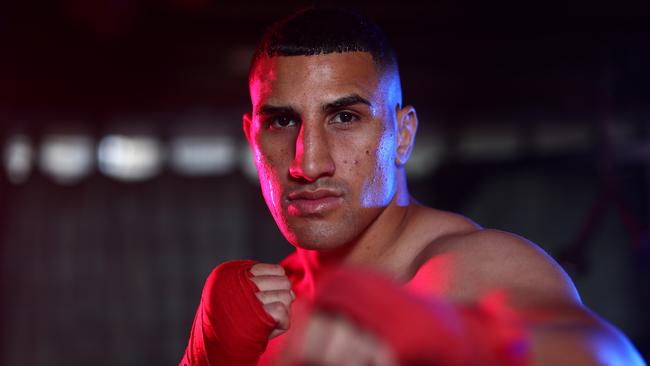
(367, 152)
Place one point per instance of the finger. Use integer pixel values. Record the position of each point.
(382, 354)
(309, 347)
(271, 283)
(276, 332)
(337, 350)
(349, 346)
(283, 296)
(279, 313)
(384, 357)
(360, 350)
(266, 269)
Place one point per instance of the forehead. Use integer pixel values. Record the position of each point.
(281, 79)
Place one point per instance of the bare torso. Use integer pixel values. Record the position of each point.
(448, 256)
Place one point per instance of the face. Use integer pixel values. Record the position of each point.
(323, 132)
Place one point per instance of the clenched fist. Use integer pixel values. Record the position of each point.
(330, 340)
(243, 305)
(274, 293)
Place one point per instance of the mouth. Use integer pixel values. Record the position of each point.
(316, 202)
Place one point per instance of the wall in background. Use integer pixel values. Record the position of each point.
(125, 177)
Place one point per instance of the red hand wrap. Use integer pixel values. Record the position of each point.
(231, 326)
(423, 331)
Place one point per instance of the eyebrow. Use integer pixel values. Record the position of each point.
(346, 102)
(271, 110)
(342, 102)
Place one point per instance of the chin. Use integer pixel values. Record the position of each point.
(334, 231)
(312, 244)
(321, 237)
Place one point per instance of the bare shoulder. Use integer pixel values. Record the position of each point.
(468, 263)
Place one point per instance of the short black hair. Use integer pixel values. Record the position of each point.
(322, 30)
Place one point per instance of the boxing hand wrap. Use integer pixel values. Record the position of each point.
(231, 326)
(423, 331)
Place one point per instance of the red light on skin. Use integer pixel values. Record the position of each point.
(434, 277)
(304, 203)
(307, 207)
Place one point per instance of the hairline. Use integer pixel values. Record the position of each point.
(383, 68)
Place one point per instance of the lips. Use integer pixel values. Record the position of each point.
(316, 202)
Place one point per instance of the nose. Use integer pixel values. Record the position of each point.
(312, 159)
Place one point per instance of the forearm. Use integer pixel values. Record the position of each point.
(576, 337)
(204, 348)
(231, 326)
(493, 331)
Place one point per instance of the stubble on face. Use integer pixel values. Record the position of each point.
(361, 153)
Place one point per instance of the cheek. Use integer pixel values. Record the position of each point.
(268, 182)
(270, 156)
(378, 178)
(269, 170)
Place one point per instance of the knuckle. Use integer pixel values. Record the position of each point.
(268, 269)
(255, 268)
(282, 296)
(259, 282)
(258, 269)
(279, 313)
(262, 297)
(271, 283)
(277, 308)
(284, 283)
(285, 297)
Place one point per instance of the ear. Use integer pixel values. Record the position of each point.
(407, 125)
(246, 124)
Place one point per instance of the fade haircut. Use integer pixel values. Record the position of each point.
(322, 30)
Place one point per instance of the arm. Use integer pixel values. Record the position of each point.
(572, 335)
(560, 329)
(495, 299)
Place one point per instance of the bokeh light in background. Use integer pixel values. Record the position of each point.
(130, 158)
(490, 142)
(562, 138)
(247, 164)
(204, 155)
(67, 159)
(426, 157)
(533, 119)
(18, 158)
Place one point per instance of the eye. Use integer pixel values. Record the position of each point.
(280, 122)
(345, 117)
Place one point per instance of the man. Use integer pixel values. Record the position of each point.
(376, 278)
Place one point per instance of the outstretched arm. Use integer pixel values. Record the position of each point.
(497, 300)
(573, 335)
(561, 330)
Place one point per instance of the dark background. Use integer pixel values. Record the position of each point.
(534, 119)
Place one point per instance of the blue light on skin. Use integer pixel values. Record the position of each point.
(386, 153)
(383, 177)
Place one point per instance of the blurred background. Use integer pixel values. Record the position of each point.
(125, 176)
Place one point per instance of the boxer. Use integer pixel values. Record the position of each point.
(376, 277)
